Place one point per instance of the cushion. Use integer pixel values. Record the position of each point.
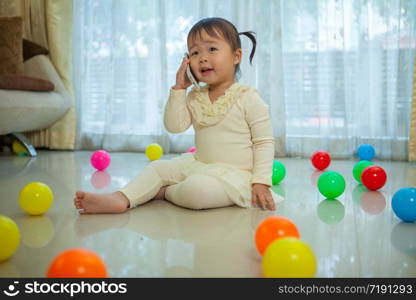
(31, 49)
(11, 56)
(20, 82)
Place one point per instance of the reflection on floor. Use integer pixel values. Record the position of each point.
(356, 235)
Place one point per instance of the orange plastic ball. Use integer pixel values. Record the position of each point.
(77, 263)
(273, 228)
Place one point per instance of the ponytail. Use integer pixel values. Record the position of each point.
(250, 35)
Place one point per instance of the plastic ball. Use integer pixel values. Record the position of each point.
(77, 263)
(374, 177)
(279, 172)
(18, 148)
(359, 168)
(331, 184)
(35, 198)
(100, 159)
(290, 258)
(154, 152)
(192, 149)
(273, 228)
(9, 237)
(366, 152)
(321, 160)
(404, 204)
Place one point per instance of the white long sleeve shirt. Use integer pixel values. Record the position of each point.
(236, 129)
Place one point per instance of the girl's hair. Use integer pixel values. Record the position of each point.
(214, 25)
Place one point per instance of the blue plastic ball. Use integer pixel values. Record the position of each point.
(404, 204)
(366, 152)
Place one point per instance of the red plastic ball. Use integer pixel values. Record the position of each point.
(77, 263)
(373, 177)
(321, 160)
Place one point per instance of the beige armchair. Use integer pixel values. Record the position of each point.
(22, 111)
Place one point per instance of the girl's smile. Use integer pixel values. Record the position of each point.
(207, 71)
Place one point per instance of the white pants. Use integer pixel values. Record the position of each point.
(197, 191)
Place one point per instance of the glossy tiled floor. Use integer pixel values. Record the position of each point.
(357, 235)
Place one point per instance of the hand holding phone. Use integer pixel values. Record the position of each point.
(190, 75)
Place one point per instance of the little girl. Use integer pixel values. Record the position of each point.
(233, 135)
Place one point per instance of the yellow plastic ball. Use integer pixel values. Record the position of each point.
(35, 198)
(289, 258)
(154, 151)
(9, 237)
(18, 148)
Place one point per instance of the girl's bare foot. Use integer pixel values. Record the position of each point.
(90, 203)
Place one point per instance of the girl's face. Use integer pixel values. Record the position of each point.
(212, 59)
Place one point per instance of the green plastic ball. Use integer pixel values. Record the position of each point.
(331, 184)
(279, 172)
(359, 168)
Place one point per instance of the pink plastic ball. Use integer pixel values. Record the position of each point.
(100, 159)
(192, 149)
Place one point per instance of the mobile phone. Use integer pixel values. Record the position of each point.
(191, 75)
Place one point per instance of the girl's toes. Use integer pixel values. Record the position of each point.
(77, 203)
(80, 195)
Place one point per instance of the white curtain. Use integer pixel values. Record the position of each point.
(347, 75)
(335, 73)
(126, 54)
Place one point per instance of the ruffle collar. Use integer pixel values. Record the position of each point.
(207, 113)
